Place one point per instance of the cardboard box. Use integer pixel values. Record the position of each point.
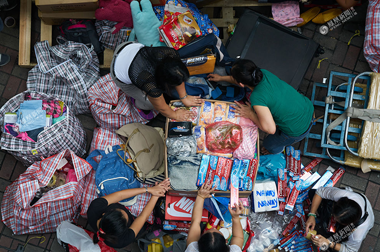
(242, 194)
(67, 5)
(181, 208)
(57, 18)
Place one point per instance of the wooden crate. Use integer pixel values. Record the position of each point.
(66, 5)
(45, 34)
(227, 20)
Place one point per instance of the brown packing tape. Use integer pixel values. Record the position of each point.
(201, 64)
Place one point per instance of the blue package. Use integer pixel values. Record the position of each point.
(244, 166)
(203, 170)
(235, 170)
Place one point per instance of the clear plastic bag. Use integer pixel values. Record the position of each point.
(181, 146)
(223, 137)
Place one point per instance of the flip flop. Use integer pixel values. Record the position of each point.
(148, 116)
(326, 16)
(308, 15)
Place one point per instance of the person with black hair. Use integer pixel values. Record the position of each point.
(212, 240)
(275, 106)
(112, 221)
(353, 215)
(147, 73)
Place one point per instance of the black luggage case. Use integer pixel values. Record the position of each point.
(272, 46)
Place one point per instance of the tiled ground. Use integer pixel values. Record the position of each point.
(338, 56)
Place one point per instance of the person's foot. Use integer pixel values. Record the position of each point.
(4, 59)
(264, 151)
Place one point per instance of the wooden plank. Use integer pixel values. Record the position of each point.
(235, 3)
(25, 33)
(46, 32)
(107, 58)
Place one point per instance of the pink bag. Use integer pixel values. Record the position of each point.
(110, 107)
(55, 206)
(247, 148)
(101, 139)
(287, 13)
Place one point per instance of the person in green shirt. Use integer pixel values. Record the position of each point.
(275, 106)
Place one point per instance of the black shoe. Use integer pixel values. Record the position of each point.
(4, 59)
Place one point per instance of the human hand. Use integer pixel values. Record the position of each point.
(320, 241)
(243, 110)
(183, 115)
(205, 191)
(192, 101)
(160, 189)
(310, 224)
(236, 210)
(214, 77)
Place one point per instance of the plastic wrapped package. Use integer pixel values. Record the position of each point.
(223, 137)
(231, 115)
(369, 143)
(356, 162)
(220, 109)
(200, 135)
(206, 115)
(181, 146)
(247, 149)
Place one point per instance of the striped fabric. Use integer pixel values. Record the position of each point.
(66, 134)
(372, 35)
(57, 205)
(110, 107)
(65, 71)
(104, 28)
(101, 139)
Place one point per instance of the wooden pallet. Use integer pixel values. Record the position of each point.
(45, 34)
(227, 20)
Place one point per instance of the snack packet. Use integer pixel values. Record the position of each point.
(206, 115)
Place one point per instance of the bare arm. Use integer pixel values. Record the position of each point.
(196, 217)
(237, 230)
(310, 223)
(160, 105)
(217, 77)
(139, 222)
(189, 100)
(262, 117)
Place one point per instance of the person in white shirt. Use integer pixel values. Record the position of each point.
(352, 212)
(212, 240)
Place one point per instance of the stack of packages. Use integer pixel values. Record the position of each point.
(221, 150)
(182, 23)
(294, 184)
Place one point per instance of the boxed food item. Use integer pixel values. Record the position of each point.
(66, 5)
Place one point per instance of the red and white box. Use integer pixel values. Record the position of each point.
(225, 174)
(311, 165)
(211, 170)
(282, 185)
(180, 208)
(293, 196)
(218, 172)
(335, 177)
(250, 178)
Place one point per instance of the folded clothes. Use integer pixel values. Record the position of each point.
(12, 129)
(33, 134)
(183, 171)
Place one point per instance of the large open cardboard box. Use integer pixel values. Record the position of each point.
(242, 194)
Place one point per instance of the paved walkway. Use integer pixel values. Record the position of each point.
(338, 57)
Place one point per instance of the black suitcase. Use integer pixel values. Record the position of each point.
(272, 46)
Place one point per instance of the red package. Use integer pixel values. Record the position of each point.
(211, 170)
(223, 137)
(291, 224)
(312, 164)
(180, 30)
(181, 208)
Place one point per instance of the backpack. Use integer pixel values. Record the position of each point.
(143, 150)
(112, 174)
(170, 243)
(82, 31)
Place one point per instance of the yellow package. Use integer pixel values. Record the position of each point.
(200, 136)
(220, 109)
(231, 114)
(206, 116)
(202, 64)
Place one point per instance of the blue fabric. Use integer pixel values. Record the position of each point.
(30, 116)
(183, 171)
(277, 142)
(218, 206)
(112, 167)
(194, 89)
(268, 166)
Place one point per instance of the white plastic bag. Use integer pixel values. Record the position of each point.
(76, 236)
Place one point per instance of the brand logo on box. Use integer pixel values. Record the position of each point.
(181, 208)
